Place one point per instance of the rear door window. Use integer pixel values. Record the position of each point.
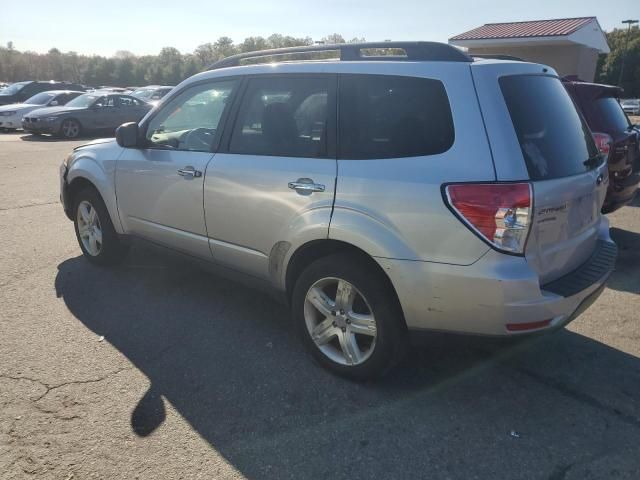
(386, 116)
(284, 116)
(609, 113)
(554, 139)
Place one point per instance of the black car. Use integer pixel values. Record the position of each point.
(20, 91)
(615, 135)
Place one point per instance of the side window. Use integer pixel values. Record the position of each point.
(106, 101)
(190, 120)
(385, 116)
(128, 102)
(285, 116)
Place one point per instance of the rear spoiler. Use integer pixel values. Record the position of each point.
(594, 90)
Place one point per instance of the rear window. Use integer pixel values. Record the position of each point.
(385, 116)
(609, 114)
(554, 139)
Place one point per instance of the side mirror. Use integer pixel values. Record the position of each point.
(127, 135)
(54, 103)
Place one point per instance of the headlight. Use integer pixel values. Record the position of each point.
(7, 114)
(51, 119)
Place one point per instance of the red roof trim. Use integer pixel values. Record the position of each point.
(526, 29)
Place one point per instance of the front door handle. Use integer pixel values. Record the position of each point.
(189, 172)
(306, 186)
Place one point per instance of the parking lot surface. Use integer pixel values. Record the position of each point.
(156, 369)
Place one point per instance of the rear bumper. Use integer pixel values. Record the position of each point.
(495, 292)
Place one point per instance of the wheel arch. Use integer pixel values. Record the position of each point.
(86, 173)
(313, 250)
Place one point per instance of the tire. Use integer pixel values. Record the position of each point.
(96, 236)
(316, 307)
(70, 128)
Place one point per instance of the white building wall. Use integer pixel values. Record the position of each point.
(565, 59)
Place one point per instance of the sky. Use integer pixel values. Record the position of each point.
(102, 28)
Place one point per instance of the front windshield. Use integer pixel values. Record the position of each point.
(40, 98)
(14, 88)
(84, 101)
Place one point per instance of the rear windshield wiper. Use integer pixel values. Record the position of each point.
(593, 161)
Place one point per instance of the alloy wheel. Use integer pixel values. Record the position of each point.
(340, 321)
(70, 128)
(89, 229)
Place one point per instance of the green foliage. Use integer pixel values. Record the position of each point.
(609, 66)
(125, 69)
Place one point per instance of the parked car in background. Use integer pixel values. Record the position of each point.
(614, 135)
(631, 106)
(152, 93)
(21, 91)
(3, 86)
(87, 113)
(11, 115)
(380, 198)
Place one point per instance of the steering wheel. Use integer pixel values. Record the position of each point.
(200, 139)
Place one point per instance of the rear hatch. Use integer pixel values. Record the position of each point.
(537, 135)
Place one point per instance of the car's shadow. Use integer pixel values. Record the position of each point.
(30, 137)
(627, 274)
(225, 358)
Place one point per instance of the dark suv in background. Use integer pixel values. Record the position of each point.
(614, 135)
(20, 91)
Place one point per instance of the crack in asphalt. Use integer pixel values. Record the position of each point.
(580, 396)
(28, 206)
(49, 388)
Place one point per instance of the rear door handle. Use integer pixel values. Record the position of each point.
(306, 186)
(189, 171)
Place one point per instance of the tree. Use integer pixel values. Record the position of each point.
(608, 69)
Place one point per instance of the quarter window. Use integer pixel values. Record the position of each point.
(384, 116)
(190, 120)
(283, 116)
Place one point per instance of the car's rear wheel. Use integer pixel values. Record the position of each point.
(70, 128)
(96, 236)
(348, 316)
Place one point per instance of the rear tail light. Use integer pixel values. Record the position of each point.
(603, 142)
(500, 213)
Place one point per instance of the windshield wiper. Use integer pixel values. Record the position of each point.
(593, 161)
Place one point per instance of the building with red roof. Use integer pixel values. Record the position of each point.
(570, 45)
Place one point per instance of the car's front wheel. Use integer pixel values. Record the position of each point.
(96, 236)
(349, 317)
(70, 128)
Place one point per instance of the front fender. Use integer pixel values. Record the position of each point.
(85, 164)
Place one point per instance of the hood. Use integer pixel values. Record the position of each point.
(97, 141)
(41, 112)
(12, 106)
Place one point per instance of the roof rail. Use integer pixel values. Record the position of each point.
(497, 56)
(413, 51)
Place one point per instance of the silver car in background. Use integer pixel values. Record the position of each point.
(631, 106)
(381, 196)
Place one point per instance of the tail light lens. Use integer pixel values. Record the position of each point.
(603, 142)
(500, 213)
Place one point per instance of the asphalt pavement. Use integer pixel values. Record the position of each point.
(158, 370)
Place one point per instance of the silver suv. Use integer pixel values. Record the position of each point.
(398, 188)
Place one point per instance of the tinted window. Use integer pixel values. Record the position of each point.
(284, 116)
(610, 114)
(384, 116)
(129, 102)
(40, 98)
(554, 139)
(190, 120)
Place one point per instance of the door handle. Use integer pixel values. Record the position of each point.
(306, 186)
(189, 172)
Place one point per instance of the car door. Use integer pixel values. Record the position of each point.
(274, 175)
(159, 187)
(103, 113)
